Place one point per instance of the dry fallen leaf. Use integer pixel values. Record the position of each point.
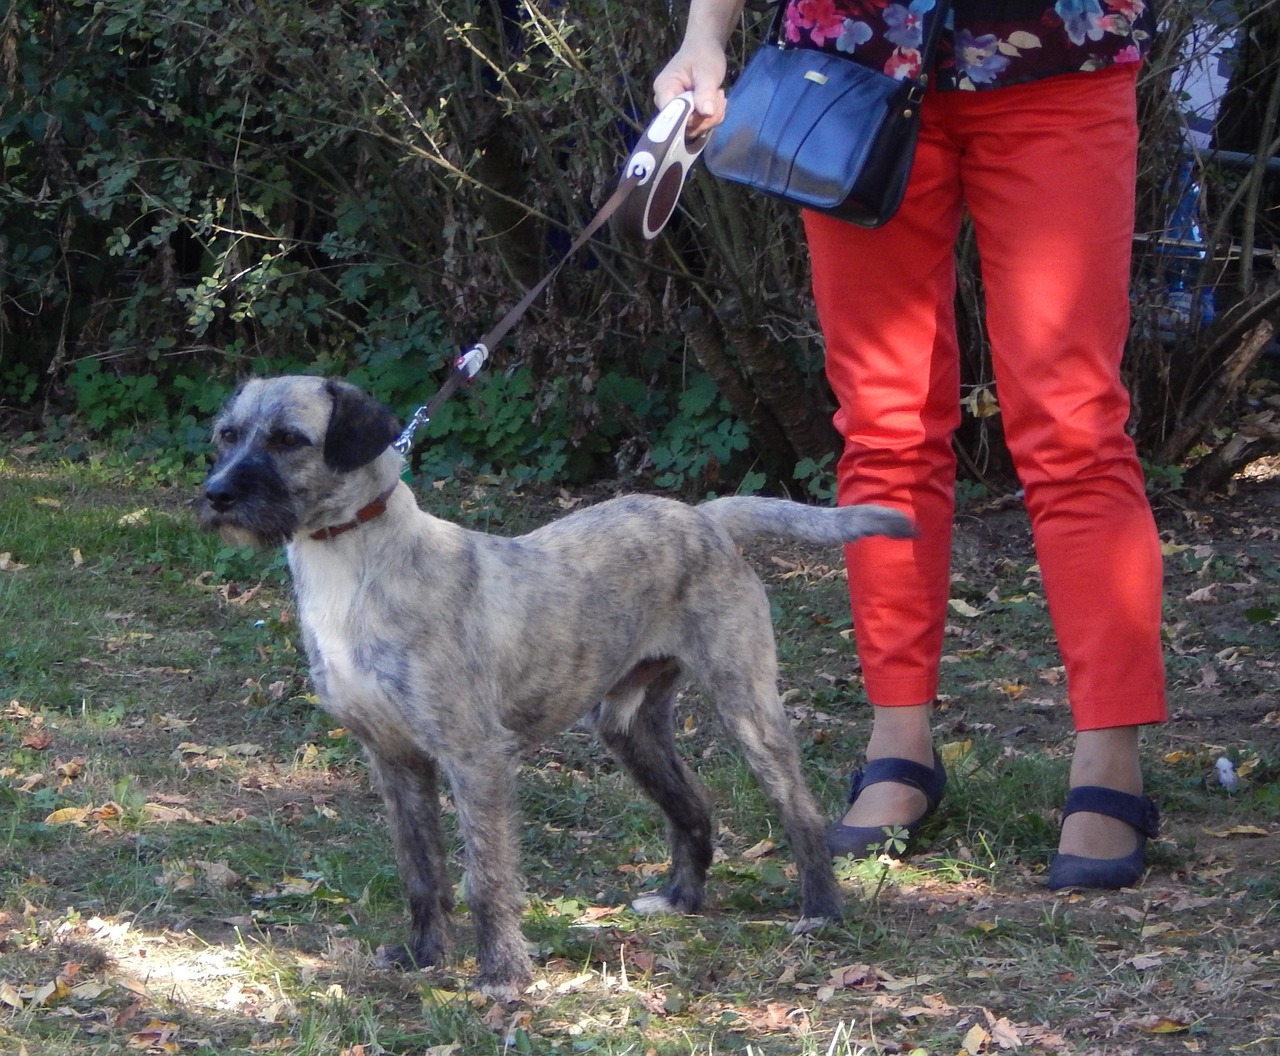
(906, 983)
(218, 873)
(9, 996)
(855, 977)
(50, 991)
(1162, 1025)
(594, 913)
(1004, 1033)
(127, 1013)
(156, 1035)
(930, 1005)
(68, 816)
(1238, 830)
(975, 1039)
(109, 811)
(981, 403)
(69, 770)
(159, 813)
(240, 751)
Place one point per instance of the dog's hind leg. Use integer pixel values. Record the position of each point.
(744, 688)
(483, 779)
(642, 739)
(409, 791)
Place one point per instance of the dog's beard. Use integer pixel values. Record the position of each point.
(243, 526)
(234, 535)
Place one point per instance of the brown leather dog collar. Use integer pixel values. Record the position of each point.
(366, 513)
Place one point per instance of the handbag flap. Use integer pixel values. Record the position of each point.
(801, 124)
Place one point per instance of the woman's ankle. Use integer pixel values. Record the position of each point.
(902, 733)
(1108, 758)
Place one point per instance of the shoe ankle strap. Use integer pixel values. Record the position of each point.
(1138, 811)
(932, 781)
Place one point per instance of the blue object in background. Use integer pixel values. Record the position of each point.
(1188, 300)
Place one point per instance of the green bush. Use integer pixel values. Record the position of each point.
(193, 190)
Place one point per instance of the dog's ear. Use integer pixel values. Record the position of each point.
(360, 428)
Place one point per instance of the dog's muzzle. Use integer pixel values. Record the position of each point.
(246, 502)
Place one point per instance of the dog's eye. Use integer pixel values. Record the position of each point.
(228, 435)
(290, 439)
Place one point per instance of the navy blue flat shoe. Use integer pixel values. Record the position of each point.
(857, 840)
(1075, 870)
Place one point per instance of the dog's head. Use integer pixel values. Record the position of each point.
(294, 453)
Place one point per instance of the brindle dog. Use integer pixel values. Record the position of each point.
(444, 649)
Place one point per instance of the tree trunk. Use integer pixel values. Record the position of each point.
(1258, 437)
(1226, 384)
(803, 415)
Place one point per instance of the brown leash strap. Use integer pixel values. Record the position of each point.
(644, 200)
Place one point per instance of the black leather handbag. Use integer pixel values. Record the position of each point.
(822, 131)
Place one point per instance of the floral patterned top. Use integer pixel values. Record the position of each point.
(984, 43)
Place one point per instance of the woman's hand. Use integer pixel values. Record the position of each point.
(698, 67)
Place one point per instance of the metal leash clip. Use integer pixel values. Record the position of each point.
(465, 367)
(660, 163)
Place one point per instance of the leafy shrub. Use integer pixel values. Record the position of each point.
(196, 189)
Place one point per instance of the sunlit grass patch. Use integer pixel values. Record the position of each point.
(191, 854)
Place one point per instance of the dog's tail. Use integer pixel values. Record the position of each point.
(747, 516)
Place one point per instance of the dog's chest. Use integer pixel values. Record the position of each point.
(356, 676)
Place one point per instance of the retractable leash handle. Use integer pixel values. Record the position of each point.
(661, 162)
(647, 193)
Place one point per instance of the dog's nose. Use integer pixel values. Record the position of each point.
(220, 495)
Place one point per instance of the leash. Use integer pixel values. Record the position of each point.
(644, 201)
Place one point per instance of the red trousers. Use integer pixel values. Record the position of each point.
(1047, 172)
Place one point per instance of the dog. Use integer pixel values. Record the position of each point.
(449, 650)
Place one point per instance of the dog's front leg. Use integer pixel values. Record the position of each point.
(484, 791)
(409, 791)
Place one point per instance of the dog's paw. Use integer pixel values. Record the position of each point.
(406, 958)
(652, 904)
(396, 956)
(808, 925)
(505, 987)
(504, 993)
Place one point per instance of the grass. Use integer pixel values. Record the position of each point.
(191, 858)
